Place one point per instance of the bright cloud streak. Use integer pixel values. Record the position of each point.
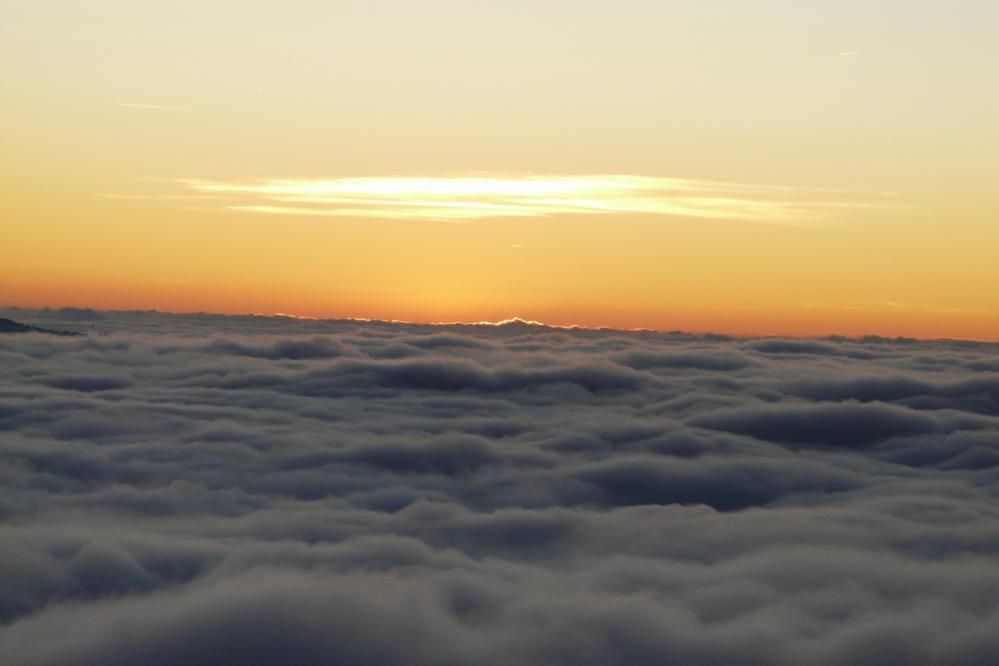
(466, 197)
(158, 107)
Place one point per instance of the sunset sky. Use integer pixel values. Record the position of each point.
(766, 167)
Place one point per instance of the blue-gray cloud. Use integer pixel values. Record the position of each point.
(228, 490)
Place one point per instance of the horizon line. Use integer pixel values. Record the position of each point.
(512, 321)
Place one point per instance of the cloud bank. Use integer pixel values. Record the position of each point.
(201, 489)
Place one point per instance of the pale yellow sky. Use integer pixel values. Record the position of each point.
(747, 167)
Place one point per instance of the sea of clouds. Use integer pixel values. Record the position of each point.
(199, 489)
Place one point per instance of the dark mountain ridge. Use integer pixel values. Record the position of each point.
(11, 326)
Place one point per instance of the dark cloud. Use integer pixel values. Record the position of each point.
(724, 484)
(311, 348)
(203, 489)
(812, 347)
(846, 424)
(708, 360)
(76, 314)
(452, 456)
(975, 394)
(88, 384)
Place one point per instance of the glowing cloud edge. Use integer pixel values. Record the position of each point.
(477, 197)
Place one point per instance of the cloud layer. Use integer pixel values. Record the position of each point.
(474, 197)
(249, 490)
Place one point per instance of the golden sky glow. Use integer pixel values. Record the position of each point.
(777, 167)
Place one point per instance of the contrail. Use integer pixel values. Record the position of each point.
(152, 106)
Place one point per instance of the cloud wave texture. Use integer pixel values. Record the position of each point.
(201, 489)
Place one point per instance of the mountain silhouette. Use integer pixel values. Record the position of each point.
(11, 326)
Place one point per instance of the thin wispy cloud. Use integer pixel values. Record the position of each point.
(896, 306)
(476, 197)
(155, 107)
(910, 307)
(158, 197)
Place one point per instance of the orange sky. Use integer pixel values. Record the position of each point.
(784, 168)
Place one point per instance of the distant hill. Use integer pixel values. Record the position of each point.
(11, 326)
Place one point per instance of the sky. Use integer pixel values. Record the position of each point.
(773, 167)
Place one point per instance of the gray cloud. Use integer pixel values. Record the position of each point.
(232, 490)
